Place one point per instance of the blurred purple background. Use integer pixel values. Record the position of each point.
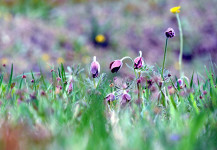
(57, 32)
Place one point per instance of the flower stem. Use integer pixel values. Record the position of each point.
(126, 57)
(165, 52)
(181, 43)
(94, 82)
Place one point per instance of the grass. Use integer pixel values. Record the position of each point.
(41, 115)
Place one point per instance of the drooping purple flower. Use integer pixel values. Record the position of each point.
(170, 33)
(95, 68)
(138, 61)
(110, 97)
(125, 97)
(115, 65)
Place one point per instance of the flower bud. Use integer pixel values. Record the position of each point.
(204, 92)
(115, 65)
(125, 97)
(170, 33)
(110, 98)
(24, 76)
(58, 79)
(181, 83)
(95, 68)
(70, 88)
(138, 61)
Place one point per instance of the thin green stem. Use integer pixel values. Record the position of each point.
(94, 83)
(165, 52)
(127, 57)
(181, 43)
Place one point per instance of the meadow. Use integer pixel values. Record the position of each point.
(70, 78)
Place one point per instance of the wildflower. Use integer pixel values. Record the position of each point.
(175, 9)
(115, 65)
(60, 60)
(59, 79)
(204, 92)
(32, 81)
(125, 97)
(46, 57)
(174, 137)
(111, 85)
(33, 96)
(100, 38)
(43, 93)
(110, 98)
(138, 81)
(95, 68)
(70, 88)
(24, 76)
(138, 61)
(13, 85)
(170, 33)
(160, 83)
(180, 82)
(4, 62)
(149, 83)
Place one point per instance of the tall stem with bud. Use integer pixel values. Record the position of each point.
(165, 52)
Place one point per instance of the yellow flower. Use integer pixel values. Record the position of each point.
(175, 9)
(4, 61)
(100, 38)
(60, 60)
(45, 57)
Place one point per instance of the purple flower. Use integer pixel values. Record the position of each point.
(125, 97)
(180, 82)
(110, 97)
(170, 33)
(175, 137)
(95, 68)
(138, 61)
(70, 88)
(24, 76)
(115, 65)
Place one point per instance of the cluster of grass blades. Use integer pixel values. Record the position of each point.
(39, 113)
